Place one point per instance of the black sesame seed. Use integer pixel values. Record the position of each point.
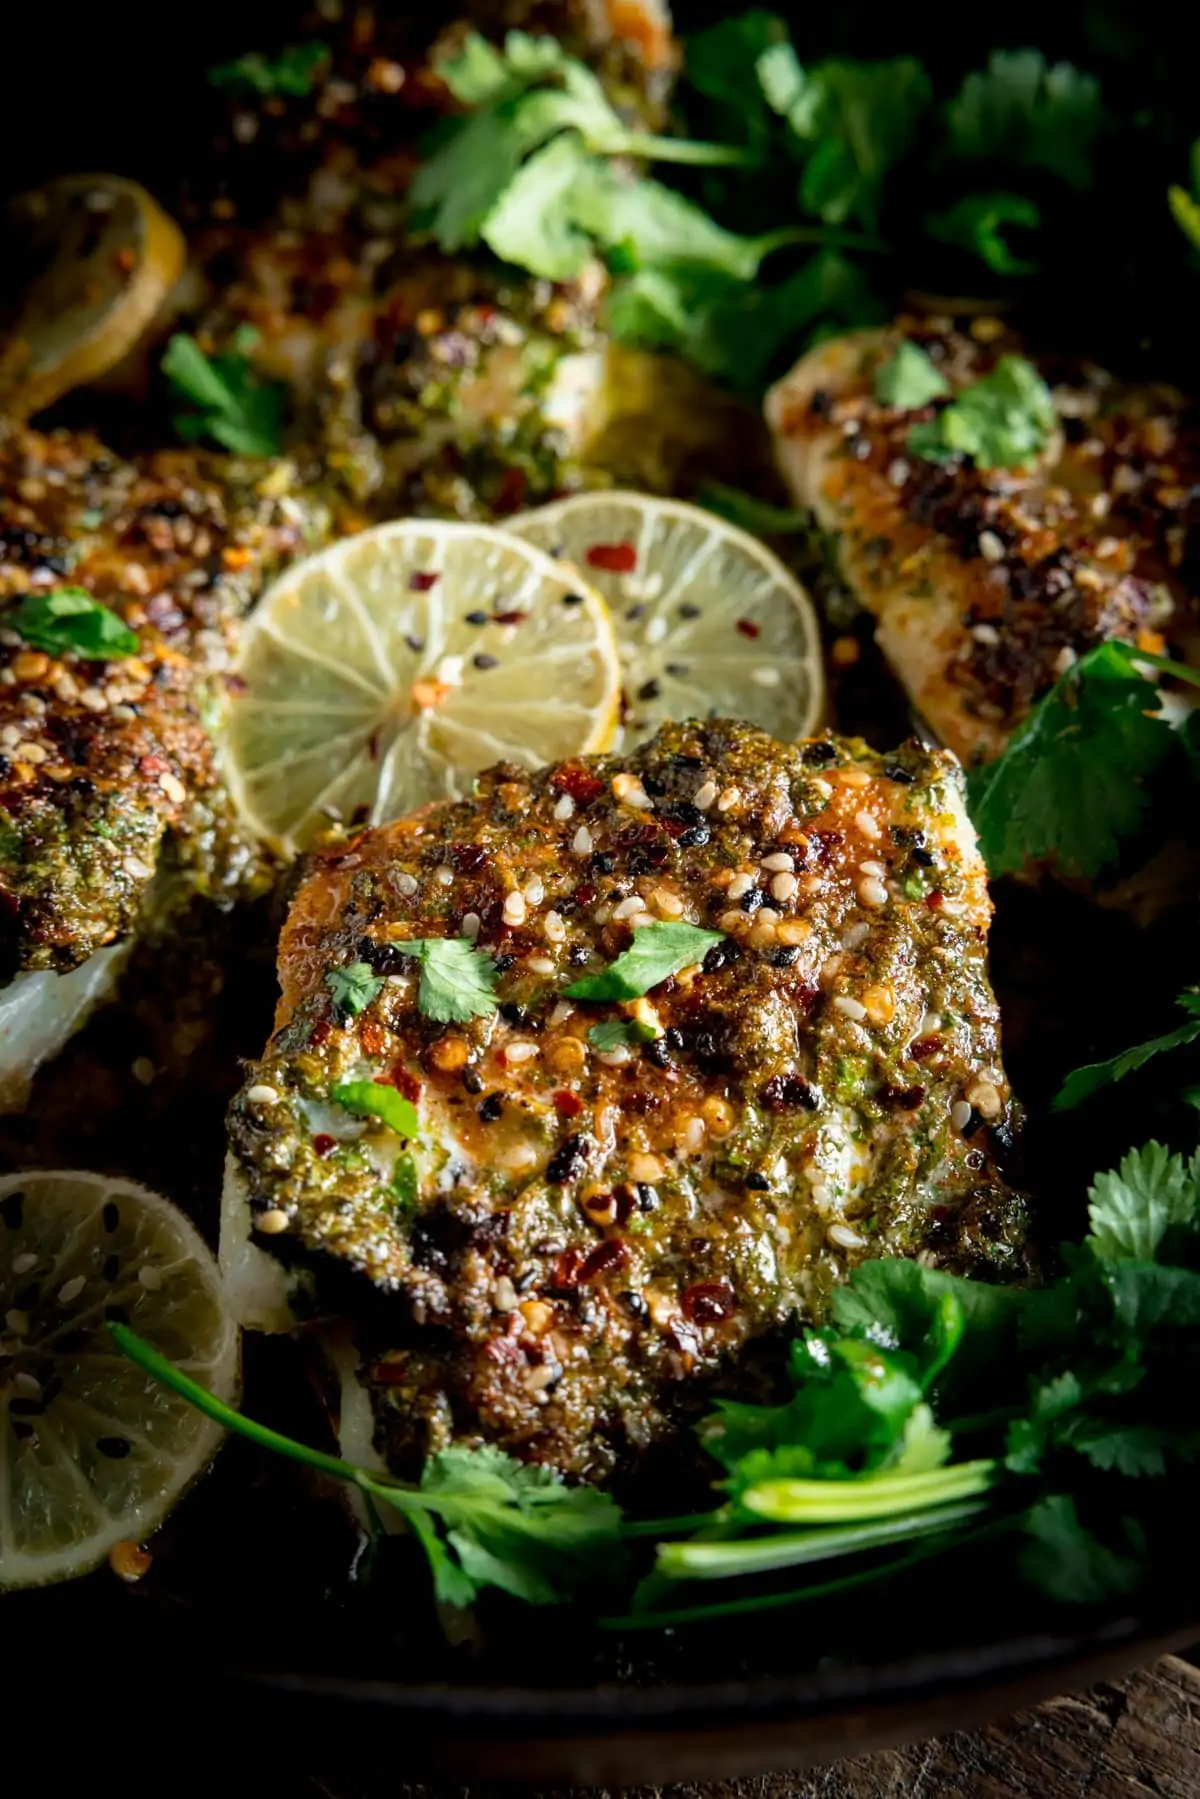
(689, 610)
(693, 837)
(649, 690)
(674, 1038)
(819, 752)
(485, 661)
(503, 963)
(513, 1014)
(477, 618)
(635, 612)
(820, 403)
(924, 858)
(491, 1108)
(602, 863)
(783, 956)
(472, 1080)
(415, 644)
(678, 670)
(572, 599)
(568, 1161)
(758, 1183)
(633, 1303)
(647, 1197)
(752, 899)
(658, 1053)
(11, 1209)
(110, 1217)
(115, 1448)
(895, 772)
(721, 955)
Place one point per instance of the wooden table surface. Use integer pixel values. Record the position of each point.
(1138, 1738)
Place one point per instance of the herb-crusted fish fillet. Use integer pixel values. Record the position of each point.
(100, 757)
(988, 583)
(607, 1199)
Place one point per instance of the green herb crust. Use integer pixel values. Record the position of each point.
(595, 1223)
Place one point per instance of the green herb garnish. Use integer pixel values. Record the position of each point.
(909, 379)
(405, 1183)
(68, 621)
(618, 1033)
(1082, 1083)
(978, 223)
(1024, 112)
(482, 1519)
(458, 981)
(353, 988)
(232, 405)
(292, 72)
(657, 950)
(746, 510)
(1002, 420)
(372, 1099)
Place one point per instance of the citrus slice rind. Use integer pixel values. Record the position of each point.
(88, 262)
(41, 1010)
(709, 622)
(387, 671)
(93, 1452)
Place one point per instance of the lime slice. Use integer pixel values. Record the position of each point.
(93, 1452)
(709, 623)
(391, 668)
(88, 261)
(40, 1010)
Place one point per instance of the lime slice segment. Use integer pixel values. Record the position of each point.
(709, 623)
(92, 1451)
(388, 670)
(88, 262)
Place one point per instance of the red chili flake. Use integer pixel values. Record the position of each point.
(422, 579)
(567, 1105)
(509, 618)
(152, 765)
(403, 1082)
(934, 900)
(584, 894)
(605, 1257)
(324, 1145)
(389, 1374)
(321, 1032)
(236, 684)
(467, 858)
(924, 1047)
(617, 558)
(748, 628)
(582, 785)
(511, 492)
(708, 1302)
(567, 1270)
(902, 1099)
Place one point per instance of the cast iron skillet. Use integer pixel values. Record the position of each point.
(244, 1628)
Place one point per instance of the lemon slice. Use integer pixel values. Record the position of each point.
(87, 262)
(391, 668)
(709, 623)
(93, 1452)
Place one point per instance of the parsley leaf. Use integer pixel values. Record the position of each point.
(353, 988)
(372, 1099)
(292, 72)
(1132, 1207)
(978, 223)
(909, 379)
(1028, 114)
(617, 1032)
(231, 404)
(1068, 790)
(458, 981)
(1082, 1083)
(67, 620)
(657, 950)
(1003, 420)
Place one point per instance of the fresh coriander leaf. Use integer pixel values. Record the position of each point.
(68, 621)
(1147, 1296)
(1132, 1207)
(1023, 112)
(1082, 1083)
(1186, 213)
(1032, 1436)
(1138, 1451)
(405, 1184)
(722, 64)
(1003, 420)
(781, 77)
(353, 987)
(910, 379)
(1067, 1561)
(759, 517)
(657, 950)
(978, 223)
(233, 407)
(533, 223)
(656, 225)
(1069, 789)
(458, 981)
(292, 72)
(372, 1099)
(476, 71)
(617, 1032)
(854, 122)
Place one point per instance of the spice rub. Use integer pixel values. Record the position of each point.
(987, 584)
(595, 1201)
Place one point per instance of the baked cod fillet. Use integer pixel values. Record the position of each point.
(988, 583)
(583, 1226)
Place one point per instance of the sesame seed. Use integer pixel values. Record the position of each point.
(783, 887)
(554, 927)
(143, 1070)
(628, 907)
(960, 1114)
(728, 799)
(615, 1058)
(470, 925)
(17, 1322)
(173, 787)
(504, 1295)
(564, 808)
(932, 1021)
(70, 1290)
(668, 903)
(406, 884)
(778, 863)
(443, 876)
(704, 796)
(821, 1196)
(27, 1386)
(93, 699)
(850, 1008)
(514, 909)
(23, 1263)
(855, 935)
(534, 891)
(872, 868)
(646, 1168)
(137, 870)
(872, 893)
(766, 677)
(581, 843)
(691, 1137)
(740, 885)
(843, 1237)
(986, 634)
(898, 471)
(540, 965)
(991, 548)
(656, 630)
(867, 824)
(271, 1223)
(150, 1278)
(559, 1015)
(262, 1095)
(30, 752)
(521, 1050)
(602, 914)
